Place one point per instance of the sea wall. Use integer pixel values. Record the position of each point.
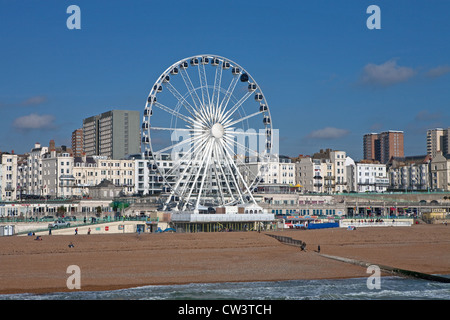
(345, 223)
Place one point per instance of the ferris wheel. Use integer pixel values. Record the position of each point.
(208, 132)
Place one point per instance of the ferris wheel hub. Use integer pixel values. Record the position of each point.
(217, 130)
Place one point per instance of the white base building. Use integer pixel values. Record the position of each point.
(366, 176)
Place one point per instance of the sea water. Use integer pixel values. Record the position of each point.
(392, 288)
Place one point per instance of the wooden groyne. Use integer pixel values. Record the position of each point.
(387, 269)
(288, 240)
(392, 270)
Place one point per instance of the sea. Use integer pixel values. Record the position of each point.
(390, 288)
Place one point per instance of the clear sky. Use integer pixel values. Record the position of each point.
(327, 78)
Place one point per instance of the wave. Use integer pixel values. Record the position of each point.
(392, 288)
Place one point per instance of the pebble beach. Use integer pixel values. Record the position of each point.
(108, 262)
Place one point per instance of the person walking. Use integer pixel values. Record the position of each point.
(76, 231)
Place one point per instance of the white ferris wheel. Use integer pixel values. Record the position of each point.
(205, 120)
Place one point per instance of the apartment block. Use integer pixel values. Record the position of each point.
(409, 173)
(437, 141)
(382, 146)
(366, 176)
(280, 170)
(371, 146)
(148, 180)
(30, 172)
(114, 134)
(90, 171)
(57, 174)
(77, 143)
(332, 170)
(304, 172)
(440, 172)
(39, 171)
(8, 177)
(325, 171)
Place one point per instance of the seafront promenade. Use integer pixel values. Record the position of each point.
(285, 210)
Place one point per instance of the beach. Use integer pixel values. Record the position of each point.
(118, 261)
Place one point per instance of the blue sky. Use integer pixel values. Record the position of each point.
(328, 79)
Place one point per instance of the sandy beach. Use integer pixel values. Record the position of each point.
(130, 260)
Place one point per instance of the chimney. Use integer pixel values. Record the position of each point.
(52, 145)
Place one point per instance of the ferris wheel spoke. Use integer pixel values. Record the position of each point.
(223, 173)
(216, 91)
(174, 113)
(193, 112)
(204, 86)
(173, 129)
(231, 132)
(243, 164)
(233, 109)
(180, 162)
(187, 155)
(184, 141)
(187, 81)
(239, 175)
(229, 124)
(226, 98)
(199, 169)
(229, 165)
(181, 176)
(245, 148)
(216, 164)
(205, 173)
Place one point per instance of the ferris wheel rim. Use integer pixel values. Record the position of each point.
(153, 93)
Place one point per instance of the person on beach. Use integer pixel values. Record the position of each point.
(89, 231)
(76, 231)
(303, 246)
(318, 248)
